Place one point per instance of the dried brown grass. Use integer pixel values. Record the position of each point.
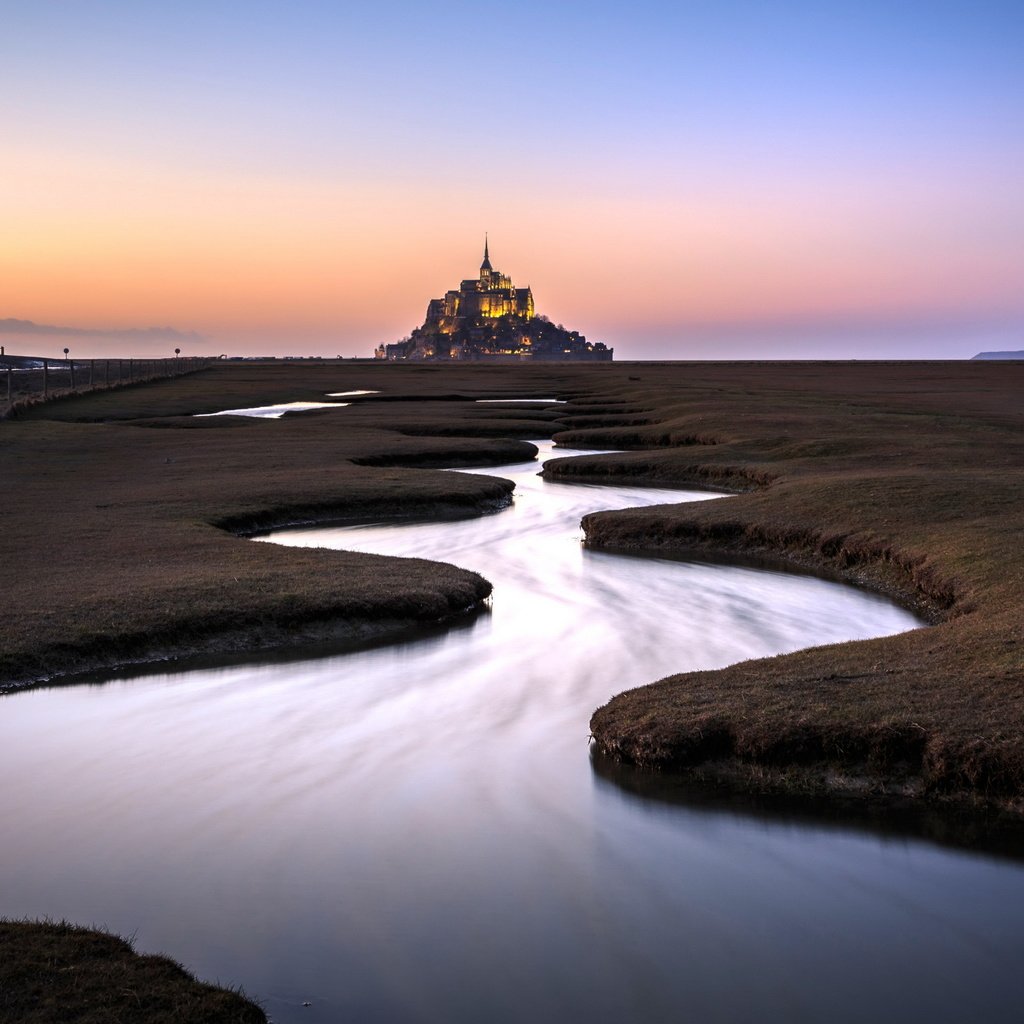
(58, 973)
(903, 477)
(118, 542)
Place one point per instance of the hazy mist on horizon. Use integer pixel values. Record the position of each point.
(681, 181)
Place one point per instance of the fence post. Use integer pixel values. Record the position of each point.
(71, 366)
(92, 373)
(46, 378)
(131, 369)
(9, 375)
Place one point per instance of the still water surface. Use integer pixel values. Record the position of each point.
(415, 833)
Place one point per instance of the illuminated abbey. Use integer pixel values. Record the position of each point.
(488, 318)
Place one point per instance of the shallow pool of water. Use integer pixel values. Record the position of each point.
(274, 412)
(416, 833)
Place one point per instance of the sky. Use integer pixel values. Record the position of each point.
(679, 180)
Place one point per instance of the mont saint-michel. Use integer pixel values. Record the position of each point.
(488, 319)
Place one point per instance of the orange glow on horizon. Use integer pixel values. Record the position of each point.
(109, 245)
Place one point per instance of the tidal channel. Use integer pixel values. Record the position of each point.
(417, 833)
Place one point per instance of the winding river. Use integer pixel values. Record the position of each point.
(416, 832)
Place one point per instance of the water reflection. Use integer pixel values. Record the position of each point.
(415, 832)
(273, 412)
(961, 829)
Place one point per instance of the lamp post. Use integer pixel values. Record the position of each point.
(71, 367)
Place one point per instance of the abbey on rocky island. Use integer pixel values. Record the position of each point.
(488, 318)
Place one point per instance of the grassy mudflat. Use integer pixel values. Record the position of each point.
(119, 535)
(59, 974)
(905, 477)
(119, 531)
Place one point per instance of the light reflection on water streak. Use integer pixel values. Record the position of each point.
(415, 833)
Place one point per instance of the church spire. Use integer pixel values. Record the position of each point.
(486, 265)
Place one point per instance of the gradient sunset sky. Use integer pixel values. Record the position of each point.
(679, 180)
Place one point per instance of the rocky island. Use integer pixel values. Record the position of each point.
(488, 319)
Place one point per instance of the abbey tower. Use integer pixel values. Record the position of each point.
(487, 317)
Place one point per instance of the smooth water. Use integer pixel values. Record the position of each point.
(415, 832)
(275, 412)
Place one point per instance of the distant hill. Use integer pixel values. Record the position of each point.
(1019, 354)
(13, 326)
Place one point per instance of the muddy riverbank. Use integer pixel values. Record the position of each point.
(906, 477)
(121, 544)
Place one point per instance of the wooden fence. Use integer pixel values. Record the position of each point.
(28, 380)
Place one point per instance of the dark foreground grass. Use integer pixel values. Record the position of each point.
(58, 973)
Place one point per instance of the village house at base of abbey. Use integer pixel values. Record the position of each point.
(488, 318)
